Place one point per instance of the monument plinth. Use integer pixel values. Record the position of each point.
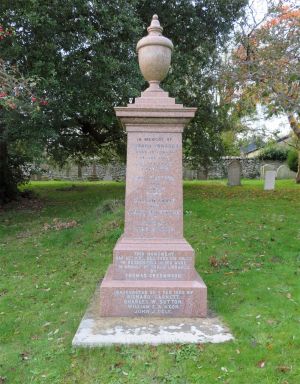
(153, 270)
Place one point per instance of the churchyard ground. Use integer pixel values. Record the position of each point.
(55, 248)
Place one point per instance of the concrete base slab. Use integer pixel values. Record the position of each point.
(96, 331)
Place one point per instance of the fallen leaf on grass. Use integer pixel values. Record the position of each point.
(219, 262)
(24, 356)
(213, 261)
(46, 324)
(271, 322)
(261, 364)
(46, 227)
(59, 225)
(3, 292)
(2, 379)
(283, 368)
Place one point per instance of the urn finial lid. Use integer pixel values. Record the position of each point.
(155, 28)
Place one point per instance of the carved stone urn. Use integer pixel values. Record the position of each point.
(154, 52)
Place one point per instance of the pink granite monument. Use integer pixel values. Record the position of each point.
(153, 272)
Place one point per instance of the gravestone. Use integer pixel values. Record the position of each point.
(94, 175)
(265, 168)
(153, 270)
(284, 172)
(108, 176)
(234, 173)
(270, 180)
(79, 171)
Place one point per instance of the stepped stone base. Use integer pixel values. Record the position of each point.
(149, 298)
(137, 259)
(97, 331)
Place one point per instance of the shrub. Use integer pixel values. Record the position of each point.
(274, 153)
(292, 160)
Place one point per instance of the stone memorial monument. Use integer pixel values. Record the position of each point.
(151, 294)
(153, 270)
(234, 173)
(270, 177)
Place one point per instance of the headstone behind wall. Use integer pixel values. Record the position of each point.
(108, 173)
(93, 175)
(234, 173)
(79, 172)
(189, 174)
(265, 168)
(284, 172)
(270, 180)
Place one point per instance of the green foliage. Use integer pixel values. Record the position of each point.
(292, 160)
(45, 291)
(263, 68)
(274, 153)
(21, 141)
(230, 144)
(84, 54)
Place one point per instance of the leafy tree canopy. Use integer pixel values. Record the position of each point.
(83, 53)
(265, 66)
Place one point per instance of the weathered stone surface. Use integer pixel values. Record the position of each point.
(152, 298)
(153, 199)
(265, 168)
(284, 172)
(153, 260)
(95, 331)
(269, 180)
(153, 270)
(234, 173)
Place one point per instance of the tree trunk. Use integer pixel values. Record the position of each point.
(298, 173)
(8, 188)
(295, 125)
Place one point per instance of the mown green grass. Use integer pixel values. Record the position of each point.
(247, 245)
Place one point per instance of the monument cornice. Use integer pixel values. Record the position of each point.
(150, 117)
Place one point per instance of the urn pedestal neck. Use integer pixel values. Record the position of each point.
(154, 53)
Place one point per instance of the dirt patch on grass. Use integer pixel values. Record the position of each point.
(27, 201)
(72, 188)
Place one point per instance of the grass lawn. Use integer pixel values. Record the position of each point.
(247, 245)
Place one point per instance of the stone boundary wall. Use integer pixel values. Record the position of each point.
(218, 169)
(112, 171)
(117, 171)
